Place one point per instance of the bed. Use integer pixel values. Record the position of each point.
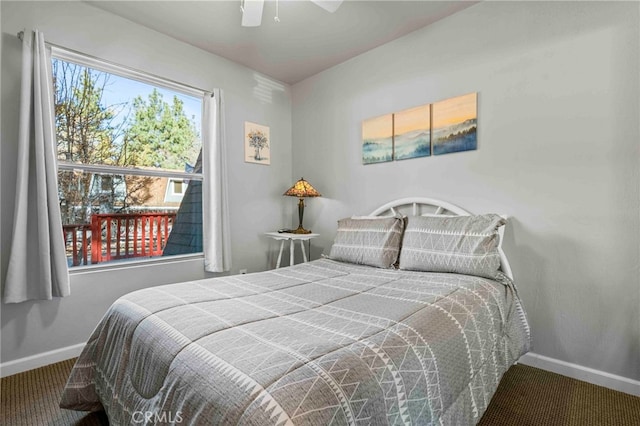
(335, 341)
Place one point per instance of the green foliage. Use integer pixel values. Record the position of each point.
(154, 134)
(160, 134)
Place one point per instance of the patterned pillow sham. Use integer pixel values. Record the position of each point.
(460, 244)
(368, 241)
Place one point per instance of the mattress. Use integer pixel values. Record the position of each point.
(319, 343)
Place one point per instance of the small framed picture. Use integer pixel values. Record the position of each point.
(257, 143)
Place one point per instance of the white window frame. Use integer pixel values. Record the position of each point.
(133, 74)
(170, 194)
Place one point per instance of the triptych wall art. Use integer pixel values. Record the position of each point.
(438, 128)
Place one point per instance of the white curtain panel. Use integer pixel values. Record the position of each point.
(215, 199)
(37, 263)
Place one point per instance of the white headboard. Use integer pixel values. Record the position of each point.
(417, 206)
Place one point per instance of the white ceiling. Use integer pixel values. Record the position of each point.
(307, 39)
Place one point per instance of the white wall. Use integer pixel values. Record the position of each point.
(558, 151)
(256, 204)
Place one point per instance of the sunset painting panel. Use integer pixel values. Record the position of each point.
(412, 133)
(455, 124)
(377, 139)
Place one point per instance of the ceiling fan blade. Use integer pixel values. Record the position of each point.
(328, 5)
(251, 12)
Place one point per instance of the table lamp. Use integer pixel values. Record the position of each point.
(301, 189)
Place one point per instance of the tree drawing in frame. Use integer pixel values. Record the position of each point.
(377, 139)
(454, 125)
(412, 133)
(256, 143)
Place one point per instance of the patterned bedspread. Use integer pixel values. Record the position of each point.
(320, 343)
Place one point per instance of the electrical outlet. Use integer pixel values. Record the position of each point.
(243, 271)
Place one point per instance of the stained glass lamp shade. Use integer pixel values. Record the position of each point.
(301, 189)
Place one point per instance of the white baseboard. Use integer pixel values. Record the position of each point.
(40, 360)
(579, 372)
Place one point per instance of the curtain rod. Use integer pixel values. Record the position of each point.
(177, 83)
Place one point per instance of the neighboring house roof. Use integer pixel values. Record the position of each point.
(186, 232)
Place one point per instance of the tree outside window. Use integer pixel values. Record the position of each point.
(119, 142)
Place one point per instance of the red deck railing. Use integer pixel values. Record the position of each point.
(77, 246)
(118, 236)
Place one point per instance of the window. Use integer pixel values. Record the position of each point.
(175, 190)
(106, 182)
(129, 171)
(177, 187)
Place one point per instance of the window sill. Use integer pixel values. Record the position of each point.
(142, 263)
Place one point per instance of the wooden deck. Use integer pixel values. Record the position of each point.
(117, 236)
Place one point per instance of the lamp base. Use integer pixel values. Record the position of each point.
(299, 230)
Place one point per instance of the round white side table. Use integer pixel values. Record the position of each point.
(284, 237)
